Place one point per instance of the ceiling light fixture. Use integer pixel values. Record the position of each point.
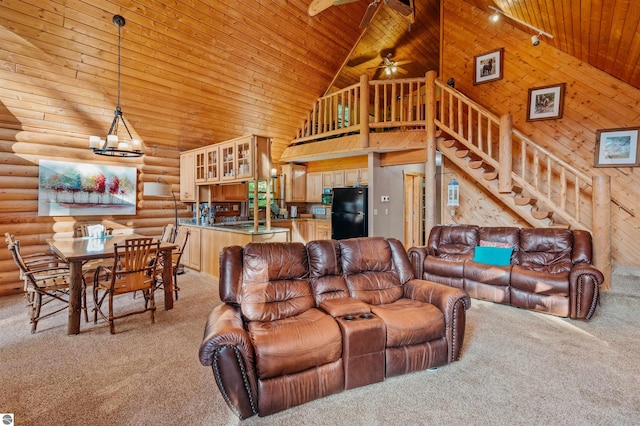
(535, 40)
(114, 146)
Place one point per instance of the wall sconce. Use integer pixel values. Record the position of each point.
(274, 173)
(453, 193)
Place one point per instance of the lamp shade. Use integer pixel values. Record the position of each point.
(156, 189)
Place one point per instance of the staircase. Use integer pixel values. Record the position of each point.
(537, 185)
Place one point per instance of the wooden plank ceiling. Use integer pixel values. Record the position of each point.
(196, 72)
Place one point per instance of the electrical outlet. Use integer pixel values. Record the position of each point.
(384, 199)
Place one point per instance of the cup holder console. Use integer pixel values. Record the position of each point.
(353, 317)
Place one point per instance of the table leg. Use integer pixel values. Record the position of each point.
(167, 279)
(75, 297)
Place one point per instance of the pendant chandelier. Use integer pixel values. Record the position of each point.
(112, 145)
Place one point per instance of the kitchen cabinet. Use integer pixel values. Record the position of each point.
(314, 187)
(187, 177)
(192, 254)
(323, 230)
(200, 166)
(232, 192)
(356, 176)
(238, 160)
(295, 183)
(212, 163)
(334, 179)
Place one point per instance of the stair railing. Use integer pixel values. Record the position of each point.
(556, 185)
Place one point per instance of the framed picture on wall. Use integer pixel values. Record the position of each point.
(83, 189)
(545, 103)
(617, 147)
(488, 66)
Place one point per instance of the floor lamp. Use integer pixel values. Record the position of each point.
(162, 189)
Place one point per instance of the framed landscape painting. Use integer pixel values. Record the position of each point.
(617, 147)
(81, 189)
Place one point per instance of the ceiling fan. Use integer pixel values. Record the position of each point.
(390, 67)
(403, 7)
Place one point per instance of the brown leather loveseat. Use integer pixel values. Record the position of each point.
(543, 269)
(300, 322)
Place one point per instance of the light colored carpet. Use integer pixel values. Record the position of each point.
(517, 368)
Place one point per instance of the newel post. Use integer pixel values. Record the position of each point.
(505, 183)
(430, 207)
(364, 111)
(601, 202)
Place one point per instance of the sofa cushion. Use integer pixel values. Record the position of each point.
(497, 256)
(295, 344)
(454, 242)
(275, 281)
(325, 270)
(369, 270)
(535, 282)
(410, 322)
(546, 250)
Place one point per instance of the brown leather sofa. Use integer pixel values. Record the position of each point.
(549, 269)
(300, 322)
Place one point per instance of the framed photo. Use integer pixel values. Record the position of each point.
(82, 189)
(545, 103)
(488, 66)
(617, 147)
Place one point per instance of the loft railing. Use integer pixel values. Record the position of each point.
(365, 107)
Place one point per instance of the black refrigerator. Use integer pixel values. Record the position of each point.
(349, 213)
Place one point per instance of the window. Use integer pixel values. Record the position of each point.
(262, 192)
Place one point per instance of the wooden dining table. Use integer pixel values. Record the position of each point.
(76, 251)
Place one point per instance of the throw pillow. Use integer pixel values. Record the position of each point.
(497, 256)
(485, 243)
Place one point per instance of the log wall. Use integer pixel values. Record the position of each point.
(593, 100)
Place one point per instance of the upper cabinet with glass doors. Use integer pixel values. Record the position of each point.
(238, 160)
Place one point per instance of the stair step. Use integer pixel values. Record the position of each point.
(490, 175)
(516, 189)
(476, 164)
(461, 153)
(450, 143)
(540, 214)
(523, 201)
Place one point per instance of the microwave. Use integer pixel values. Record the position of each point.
(327, 198)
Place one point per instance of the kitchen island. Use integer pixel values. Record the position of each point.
(213, 238)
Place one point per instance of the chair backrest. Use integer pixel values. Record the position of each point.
(14, 248)
(373, 269)
(168, 233)
(133, 265)
(453, 242)
(546, 249)
(325, 270)
(181, 242)
(275, 281)
(9, 239)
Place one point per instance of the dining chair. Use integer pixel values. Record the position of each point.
(45, 283)
(168, 233)
(182, 237)
(132, 270)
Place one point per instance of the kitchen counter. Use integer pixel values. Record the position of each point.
(238, 227)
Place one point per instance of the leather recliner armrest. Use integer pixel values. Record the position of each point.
(227, 348)
(584, 288)
(417, 256)
(344, 306)
(453, 302)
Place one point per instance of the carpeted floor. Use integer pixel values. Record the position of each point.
(517, 368)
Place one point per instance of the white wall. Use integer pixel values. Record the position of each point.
(388, 181)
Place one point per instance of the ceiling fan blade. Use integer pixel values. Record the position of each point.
(341, 2)
(403, 62)
(402, 71)
(369, 14)
(318, 6)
